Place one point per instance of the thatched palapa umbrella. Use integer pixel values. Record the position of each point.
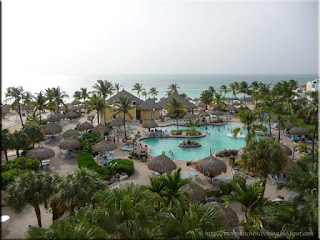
(104, 146)
(231, 108)
(289, 125)
(40, 153)
(52, 130)
(162, 164)
(211, 166)
(85, 126)
(204, 114)
(117, 122)
(190, 116)
(150, 124)
(230, 216)
(70, 133)
(196, 192)
(72, 114)
(69, 143)
(100, 128)
(201, 104)
(299, 131)
(286, 150)
(52, 124)
(76, 102)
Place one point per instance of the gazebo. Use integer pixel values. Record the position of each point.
(211, 166)
(162, 164)
(150, 124)
(196, 192)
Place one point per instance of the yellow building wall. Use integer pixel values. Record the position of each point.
(146, 115)
(110, 111)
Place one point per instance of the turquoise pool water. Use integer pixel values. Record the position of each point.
(217, 140)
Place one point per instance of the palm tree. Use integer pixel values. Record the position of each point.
(29, 188)
(244, 88)
(206, 97)
(224, 89)
(123, 105)
(20, 141)
(104, 88)
(40, 103)
(172, 187)
(96, 103)
(175, 107)
(27, 98)
(77, 95)
(153, 92)
(212, 90)
(279, 109)
(138, 87)
(233, 89)
(59, 97)
(6, 142)
(220, 101)
(248, 118)
(173, 87)
(192, 223)
(34, 132)
(193, 124)
(84, 95)
(267, 106)
(15, 94)
(265, 156)
(144, 94)
(117, 87)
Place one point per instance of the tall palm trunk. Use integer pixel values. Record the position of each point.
(279, 128)
(58, 112)
(38, 214)
(270, 125)
(104, 110)
(244, 99)
(177, 120)
(98, 117)
(19, 110)
(313, 137)
(6, 155)
(124, 124)
(17, 152)
(40, 116)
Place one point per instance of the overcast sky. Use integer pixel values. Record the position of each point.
(66, 37)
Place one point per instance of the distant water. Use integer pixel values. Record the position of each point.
(192, 85)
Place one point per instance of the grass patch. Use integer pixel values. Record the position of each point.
(302, 123)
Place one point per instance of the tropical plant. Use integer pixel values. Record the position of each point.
(15, 94)
(117, 87)
(248, 118)
(138, 87)
(266, 106)
(20, 141)
(173, 87)
(233, 89)
(279, 110)
(96, 103)
(224, 89)
(33, 130)
(193, 124)
(153, 92)
(59, 97)
(245, 89)
(40, 103)
(29, 188)
(123, 105)
(264, 156)
(144, 94)
(212, 90)
(220, 101)
(206, 97)
(104, 88)
(6, 142)
(175, 107)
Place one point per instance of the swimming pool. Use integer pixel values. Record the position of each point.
(217, 140)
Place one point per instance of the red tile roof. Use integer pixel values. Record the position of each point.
(303, 86)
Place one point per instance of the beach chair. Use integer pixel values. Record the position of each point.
(292, 195)
(156, 174)
(185, 175)
(194, 173)
(224, 180)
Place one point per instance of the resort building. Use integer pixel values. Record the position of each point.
(150, 110)
(163, 102)
(312, 86)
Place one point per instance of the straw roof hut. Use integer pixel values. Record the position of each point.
(204, 114)
(231, 108)
(183, 101)
(104, 146)
(276, 120)
(150, 124)
(116, 97)
(40, 153)
(201, 104)
(52, 124)
(188, 98)
(162, 164)
(52, 130)
(72, 114)
(190, 116)
(100, 128)
(230, 216)
(76, 102)
(211, 166)
(85, 126)
(286, 150)
(289, 125)
(196, 192)
(70, 133)
(196, 99)
(117, 122)
(299, 131)
(216, 112)
(290, 165)
(150, 105)
(236, 103)
(69, 143)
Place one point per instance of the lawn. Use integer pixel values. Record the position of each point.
(301, 123)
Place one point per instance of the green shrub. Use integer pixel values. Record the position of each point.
(189, 132)
(121, 165)
(21, 163)
(88, 140)
(9, 176)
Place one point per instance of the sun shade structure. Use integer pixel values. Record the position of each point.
(69, 143)
(196, 192)
(150, 105)
(289, 125)
(40, 153)
(231, 108)
(51, 124)
(286, 150)
(276, 120)
(52, 130)
(190, 116)
(70, 133)
(299, 131)
(100, 128)
(230, 216)
(104, 146)
(116, 97)
(76, 102)
(204, 114)
(72, 114)
(117, 122)
(150, 124)
(201, 104)
(162, 164)
(211, 166)
(175, 94)
(85, 126)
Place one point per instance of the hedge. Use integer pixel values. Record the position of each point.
(122, 165)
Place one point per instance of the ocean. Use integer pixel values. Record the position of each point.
(192, 85)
